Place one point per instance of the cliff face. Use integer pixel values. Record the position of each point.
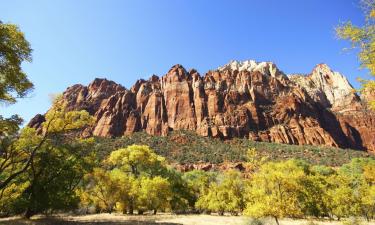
(241, 99)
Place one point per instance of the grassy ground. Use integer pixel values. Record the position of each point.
(163, 219)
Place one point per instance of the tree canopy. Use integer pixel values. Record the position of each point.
(363, 38)
(14, 49)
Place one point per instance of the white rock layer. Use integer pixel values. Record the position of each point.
(330, 88)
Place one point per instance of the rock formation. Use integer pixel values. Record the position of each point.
(241, 99)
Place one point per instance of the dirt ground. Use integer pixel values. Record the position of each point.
(162, 219)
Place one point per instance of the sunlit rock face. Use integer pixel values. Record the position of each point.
(329, 88)
(246, 99)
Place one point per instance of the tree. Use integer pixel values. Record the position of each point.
(14, 49)
(135, 178)
(366, 194)
(137, 160)
(51, 163)
(356, 178)
(313, 196)
(183, 196)
(199, 182)
(274, 191)
(363, 38)
(127, 189)
(101, 190)
(342, 200)
(18, 154)
(153, 194)
(225, 195)
(254, 160)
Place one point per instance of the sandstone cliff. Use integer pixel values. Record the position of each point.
(241, 99)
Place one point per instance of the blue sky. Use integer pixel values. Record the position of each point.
(75, 41)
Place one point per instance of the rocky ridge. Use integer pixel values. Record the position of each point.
(247, 99)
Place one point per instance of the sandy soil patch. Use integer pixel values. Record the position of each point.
(161, 219)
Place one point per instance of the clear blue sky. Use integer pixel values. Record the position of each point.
(75, 41)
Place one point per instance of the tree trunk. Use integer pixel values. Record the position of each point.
(29, 213)
(140, 212)
(131, 208)
(155, 210)
(277, 221)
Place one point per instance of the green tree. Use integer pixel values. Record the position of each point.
(312, 195)
(153, 194)
(183, 196)
(198, 182)
(274, 191)
(137, 179)
(363, 38)
(225, 195)
(101, 190)
(355, 184)
(137, 160)
(254, 160)
(127, 189)
(14, 49)
(366, 194)
(51, 163)
(342, 200)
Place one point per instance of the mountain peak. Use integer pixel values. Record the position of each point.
(266, 67)
(329, 88)
(259, 103)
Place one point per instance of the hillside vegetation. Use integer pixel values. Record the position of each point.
(187, 147)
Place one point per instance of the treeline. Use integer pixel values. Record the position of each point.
(135, 178)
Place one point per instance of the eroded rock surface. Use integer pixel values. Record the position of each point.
(241, 99)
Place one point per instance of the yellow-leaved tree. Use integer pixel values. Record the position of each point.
(363, 38)
(224, 195)
(274, 191)
(40, 171)
(134, 179)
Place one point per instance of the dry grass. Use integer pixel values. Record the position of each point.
(163, 219)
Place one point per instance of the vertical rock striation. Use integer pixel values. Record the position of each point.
(241, 99)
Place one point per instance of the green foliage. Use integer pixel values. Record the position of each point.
(363, 38)
(187, 147)
(183, 196)
(137, 160)
(103, 189)
(312, 195)
(153, 194)
(199, 181)
(135, 178)
(274, 191)
(224, 195)
(42, 171)
(14, 49)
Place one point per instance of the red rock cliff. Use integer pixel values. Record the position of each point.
(241, 99)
